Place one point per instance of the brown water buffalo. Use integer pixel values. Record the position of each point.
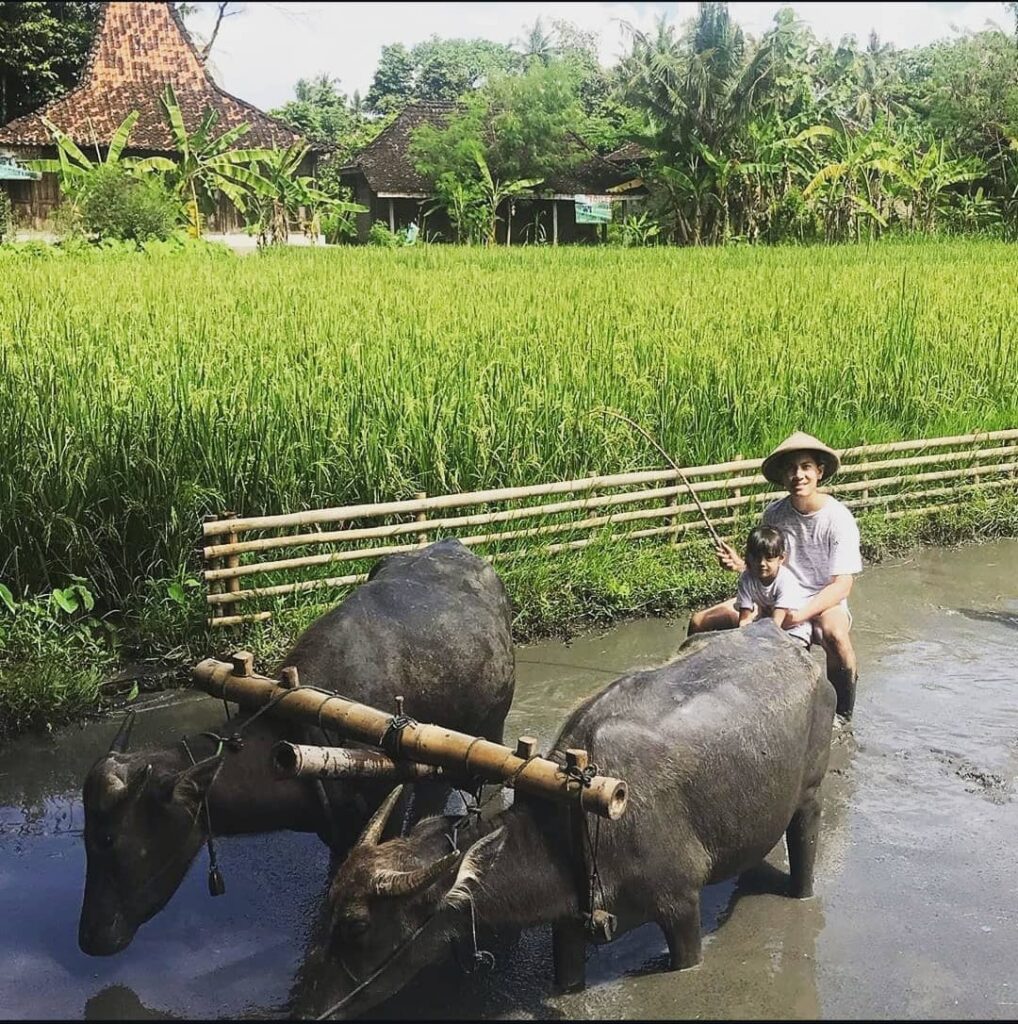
(432, 626)
(724, 750)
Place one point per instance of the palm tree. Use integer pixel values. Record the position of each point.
(538, 44)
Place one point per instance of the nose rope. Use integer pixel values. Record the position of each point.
(217, 886)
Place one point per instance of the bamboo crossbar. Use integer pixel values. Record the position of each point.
(346, 513)
(414, 741)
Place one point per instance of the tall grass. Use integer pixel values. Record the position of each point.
(139, 392)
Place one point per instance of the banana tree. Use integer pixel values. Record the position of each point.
(929, 174)
(288, 194)
(850, 187)
(496, 192)
(73, 167)
(207, 164)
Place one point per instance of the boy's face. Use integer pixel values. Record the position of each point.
(765, 569)
(802, 474)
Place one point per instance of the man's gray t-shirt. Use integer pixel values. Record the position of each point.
(821, 544)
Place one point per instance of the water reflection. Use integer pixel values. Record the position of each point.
(912, 915)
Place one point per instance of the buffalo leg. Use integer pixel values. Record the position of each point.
(682, 931)
(801, 836)
(569, 955)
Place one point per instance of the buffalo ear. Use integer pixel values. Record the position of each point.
(192, 784)
(476, 864)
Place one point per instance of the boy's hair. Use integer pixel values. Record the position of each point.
(765, 542)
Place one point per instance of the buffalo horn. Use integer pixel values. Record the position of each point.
(403, 883)
(117, 789)
(123, 737)
(372, 835)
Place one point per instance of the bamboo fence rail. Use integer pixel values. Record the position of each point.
(872, 476)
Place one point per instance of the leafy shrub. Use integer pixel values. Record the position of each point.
(114, 204)
(381, 235)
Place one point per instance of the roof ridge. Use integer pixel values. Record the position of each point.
(129, 60)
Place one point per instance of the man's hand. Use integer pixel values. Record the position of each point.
(729, 558)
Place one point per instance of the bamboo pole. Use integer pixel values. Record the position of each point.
(301, 761)
(429, 744)
(624, 479)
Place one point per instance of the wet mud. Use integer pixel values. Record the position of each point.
(916, 912)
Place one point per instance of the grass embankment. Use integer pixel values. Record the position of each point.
(139, 392)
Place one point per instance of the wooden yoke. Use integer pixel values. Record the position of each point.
(404, 738)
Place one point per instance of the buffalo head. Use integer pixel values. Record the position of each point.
(391, 910)
(143, 827)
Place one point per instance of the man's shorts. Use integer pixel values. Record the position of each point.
(816, 625)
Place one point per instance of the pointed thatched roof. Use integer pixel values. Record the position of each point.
(385, 162)
(138, 49)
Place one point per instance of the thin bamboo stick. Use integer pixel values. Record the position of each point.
(348, 512)
(415, 741)
(236, 620)
(301, 761)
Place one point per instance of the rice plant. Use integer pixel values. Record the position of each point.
(138, 393)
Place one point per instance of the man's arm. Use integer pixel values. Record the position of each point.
(833, 594)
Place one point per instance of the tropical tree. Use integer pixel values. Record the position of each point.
(207, 164)
(290, 194)
(494, 193)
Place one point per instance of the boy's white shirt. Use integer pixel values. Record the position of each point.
(784, 591)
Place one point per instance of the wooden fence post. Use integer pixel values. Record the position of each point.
(422, 537)
(215, 587)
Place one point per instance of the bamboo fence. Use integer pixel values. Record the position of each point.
(904, 478)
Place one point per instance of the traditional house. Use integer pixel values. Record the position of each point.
(138, 49)
(571, 207)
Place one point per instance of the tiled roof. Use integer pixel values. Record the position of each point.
(628, 153)
(385, 161)
(138, 49)
(387, 166)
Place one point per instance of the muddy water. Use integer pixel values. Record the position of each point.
(916, 913)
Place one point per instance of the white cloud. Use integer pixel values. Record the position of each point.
(261, 53)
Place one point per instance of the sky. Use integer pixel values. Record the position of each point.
(263, 50)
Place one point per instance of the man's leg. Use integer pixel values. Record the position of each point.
(719, 616)
(833, 627)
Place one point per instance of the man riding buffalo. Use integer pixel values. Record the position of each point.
(822, 541)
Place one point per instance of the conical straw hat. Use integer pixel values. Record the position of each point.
(799, 442)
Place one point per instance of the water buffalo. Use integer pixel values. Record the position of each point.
(724, 750)
(432, 626)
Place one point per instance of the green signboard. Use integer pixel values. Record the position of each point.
(592, 211)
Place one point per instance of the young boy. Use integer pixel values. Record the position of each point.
(767, 589)
(823, 555)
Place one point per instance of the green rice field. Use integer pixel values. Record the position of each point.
(140, 392)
